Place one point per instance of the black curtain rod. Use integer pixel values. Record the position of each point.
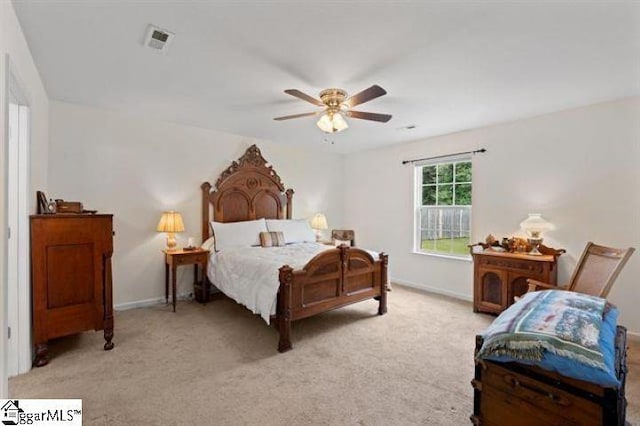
(444, 156)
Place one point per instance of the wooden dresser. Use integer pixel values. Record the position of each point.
(70, 277)
(498, 277)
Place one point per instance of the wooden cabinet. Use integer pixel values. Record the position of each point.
(70, 277)
(499, 277)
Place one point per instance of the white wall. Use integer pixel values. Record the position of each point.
(136, 168)
(580, 168)
(13, 44)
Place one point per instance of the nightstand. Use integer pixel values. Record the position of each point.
(175, 258)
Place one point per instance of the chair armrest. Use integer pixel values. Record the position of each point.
(534, 285)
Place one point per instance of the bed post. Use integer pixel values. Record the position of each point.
(284, 308)
(344, 266)
(206, 190)
(384, 262)
(289, 193)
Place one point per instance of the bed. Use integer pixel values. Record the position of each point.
(248, 190)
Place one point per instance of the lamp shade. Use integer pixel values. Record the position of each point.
(339, 123)
(170, 222)
(325, 124)
(332, 122)
(535, 225)
(319, 221)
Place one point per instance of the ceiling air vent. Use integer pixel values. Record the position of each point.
(158, 39)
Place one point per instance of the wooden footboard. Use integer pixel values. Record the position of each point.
(332, 279)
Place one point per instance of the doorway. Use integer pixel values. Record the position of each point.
(17, 204)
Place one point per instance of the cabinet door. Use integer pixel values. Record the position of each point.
(518, 284)
(490, 292)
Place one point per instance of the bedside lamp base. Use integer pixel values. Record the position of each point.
(171, 241)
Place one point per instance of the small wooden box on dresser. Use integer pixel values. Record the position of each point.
(71, 284)
(500, 276)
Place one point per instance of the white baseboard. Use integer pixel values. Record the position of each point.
(633, 335)
(148, 302)
(431, 289)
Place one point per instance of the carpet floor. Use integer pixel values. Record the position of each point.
(217, 364)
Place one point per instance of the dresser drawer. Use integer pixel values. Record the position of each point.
(528, 266)
(189, 259)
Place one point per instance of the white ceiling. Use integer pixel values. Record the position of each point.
(446, 66)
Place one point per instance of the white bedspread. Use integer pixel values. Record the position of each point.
(249, 275)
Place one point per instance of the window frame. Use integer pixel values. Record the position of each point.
(418, 188)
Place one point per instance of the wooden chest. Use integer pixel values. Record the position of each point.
(70, 277)
(517, 394)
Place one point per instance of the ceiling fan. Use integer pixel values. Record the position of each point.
(337, 105)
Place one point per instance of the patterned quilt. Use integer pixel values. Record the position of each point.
(562, 322)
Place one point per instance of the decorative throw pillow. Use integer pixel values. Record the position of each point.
(271, 239)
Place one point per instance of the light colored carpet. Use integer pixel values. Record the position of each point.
(218, 364)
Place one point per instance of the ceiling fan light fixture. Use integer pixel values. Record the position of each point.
(339, 123)
(332, 123)
(337, 106)
(325, 123)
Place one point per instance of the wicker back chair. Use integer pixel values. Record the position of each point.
(595, 273)
(344, 235)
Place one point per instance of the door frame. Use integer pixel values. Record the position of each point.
(21, 290)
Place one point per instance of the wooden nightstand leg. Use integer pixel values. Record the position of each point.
(166, 283)
(195, 280)
(173, 284)
(205, 283)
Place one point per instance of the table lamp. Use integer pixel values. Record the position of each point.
(319, 222)
(170, 222)
(534, 226)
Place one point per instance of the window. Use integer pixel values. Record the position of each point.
(443, 207)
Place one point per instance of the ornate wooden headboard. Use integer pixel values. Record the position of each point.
(247, 190)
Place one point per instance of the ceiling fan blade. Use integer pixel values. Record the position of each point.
(300, 95)
(289, 117)
(369, 116)
(366, 95)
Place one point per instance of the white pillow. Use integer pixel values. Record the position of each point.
(337, 242)
(209, 244)
(238, 234)
(294, 230)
